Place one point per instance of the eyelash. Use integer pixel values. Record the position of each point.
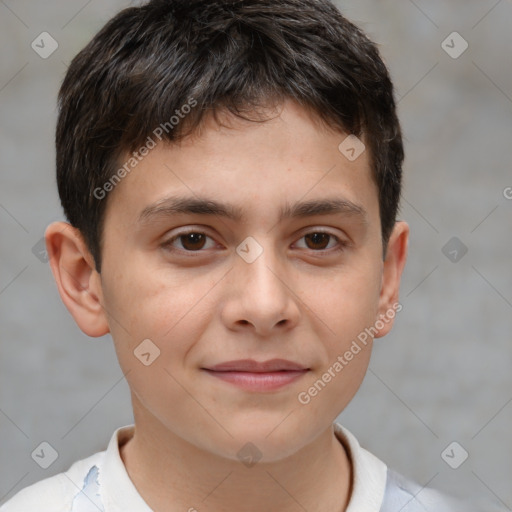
(341, 244)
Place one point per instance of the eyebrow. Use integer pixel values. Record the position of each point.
(173, 205)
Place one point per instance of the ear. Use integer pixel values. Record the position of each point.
(78, 282)
(396, 256)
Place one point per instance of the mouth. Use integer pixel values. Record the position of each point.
(257, 376)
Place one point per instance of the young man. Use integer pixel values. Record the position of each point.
(231, 175)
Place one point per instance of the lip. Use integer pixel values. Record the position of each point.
(257, 376)
(250, 365)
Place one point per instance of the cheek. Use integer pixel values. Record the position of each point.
(149, 303)
(346, 309)
(347, 303)
(330, 388)
(153, 328)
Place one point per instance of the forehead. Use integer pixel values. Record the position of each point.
(248, 168)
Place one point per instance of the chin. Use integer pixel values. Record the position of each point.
(264, 442)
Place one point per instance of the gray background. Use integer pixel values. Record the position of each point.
(442, 375)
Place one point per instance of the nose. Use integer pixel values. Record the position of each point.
(261, 295)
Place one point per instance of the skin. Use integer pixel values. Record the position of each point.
(299, 300)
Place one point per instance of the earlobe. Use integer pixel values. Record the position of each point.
(78, 282)
(394, 264)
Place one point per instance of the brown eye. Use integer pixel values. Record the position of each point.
(318, 240)
(322, 242)
(193, 241)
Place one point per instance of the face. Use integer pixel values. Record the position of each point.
(287, 264)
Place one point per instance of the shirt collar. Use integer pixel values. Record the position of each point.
(118, 491)
(368, 481)
(369, 474)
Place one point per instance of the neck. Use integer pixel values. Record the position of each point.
(173, 475)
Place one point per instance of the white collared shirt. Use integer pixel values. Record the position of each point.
(100, 483)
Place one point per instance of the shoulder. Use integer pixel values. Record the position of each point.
(408, 496)
(57, 493)
(376, 487)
